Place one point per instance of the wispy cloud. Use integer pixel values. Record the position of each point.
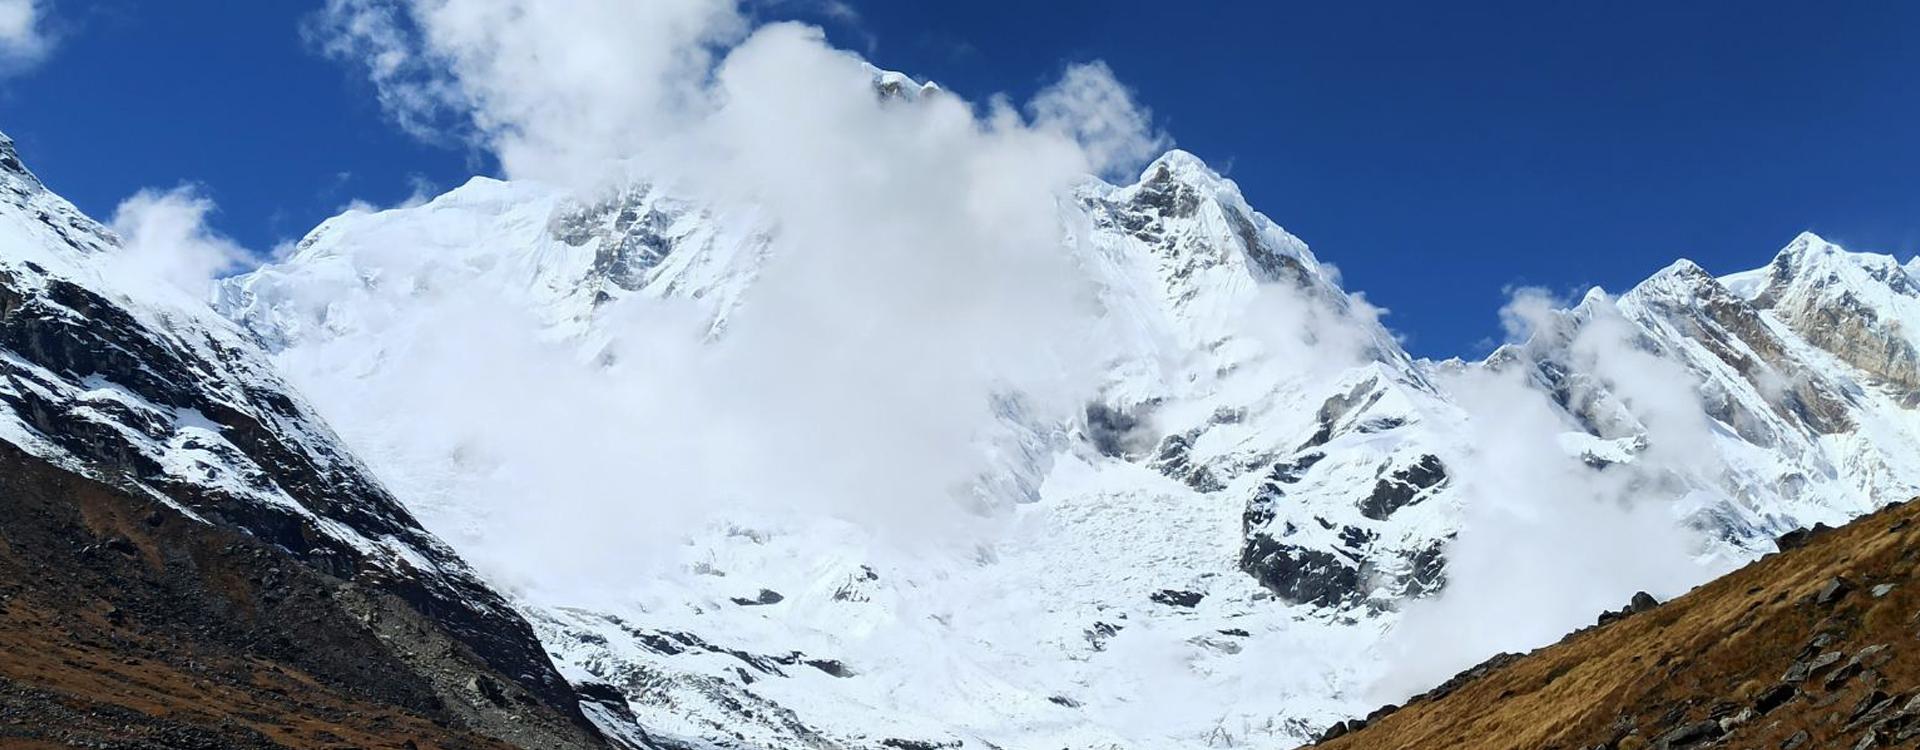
(24, 38)
(167, 245)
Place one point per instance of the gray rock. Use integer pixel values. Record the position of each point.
(1834, 590)
(1774, 697)
(1688, 735)
(1802, 670)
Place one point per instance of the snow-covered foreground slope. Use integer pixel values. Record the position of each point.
(1234, 536)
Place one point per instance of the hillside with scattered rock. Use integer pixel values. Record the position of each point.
(1817, 646)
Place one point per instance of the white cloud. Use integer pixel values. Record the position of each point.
(1590, 536)
(917, 270)
(24, 39)
(1092, 106)
(166, 243)
(553, 88)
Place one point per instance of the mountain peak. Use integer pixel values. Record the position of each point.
(1805, 247)
(1178, 164)
(890, 84)
(1808, 238)
(1684, 269)
(10, 164)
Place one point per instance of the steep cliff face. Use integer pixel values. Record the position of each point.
(122, 379)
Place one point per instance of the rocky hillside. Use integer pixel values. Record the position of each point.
(125, 623)
(1813, 647)
(164, 486)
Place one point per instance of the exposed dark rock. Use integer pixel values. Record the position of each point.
(1403, 487)
(1832, 591)
(1799, 537)
(1117, 434)
(1641, 602)
(1807, 669)
(1174, 459)
(1338, 407)
(1427, 570)
(903, 744)
(1299, 574)
(1339, 729)
(831, 666)
(1774, 697)
(1688, 735)
(1177, 598)
(766, 596)
(632, 229)
(1098, 635)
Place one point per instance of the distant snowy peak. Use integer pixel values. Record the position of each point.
(1205, 260)
(1803, 368)
(1862, 307)
(895, 85)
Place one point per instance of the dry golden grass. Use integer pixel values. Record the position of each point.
(1725, 641)
(122, 627)
(105, 687)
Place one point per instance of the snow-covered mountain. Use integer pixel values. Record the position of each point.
(1214, 548)
(1208, 555)
(1803, 369)
(119, 377)
(1305, 456)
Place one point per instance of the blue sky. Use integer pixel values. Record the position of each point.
(1437, 155)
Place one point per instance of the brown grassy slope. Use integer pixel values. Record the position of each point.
(1712, 654)
(124, 624)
